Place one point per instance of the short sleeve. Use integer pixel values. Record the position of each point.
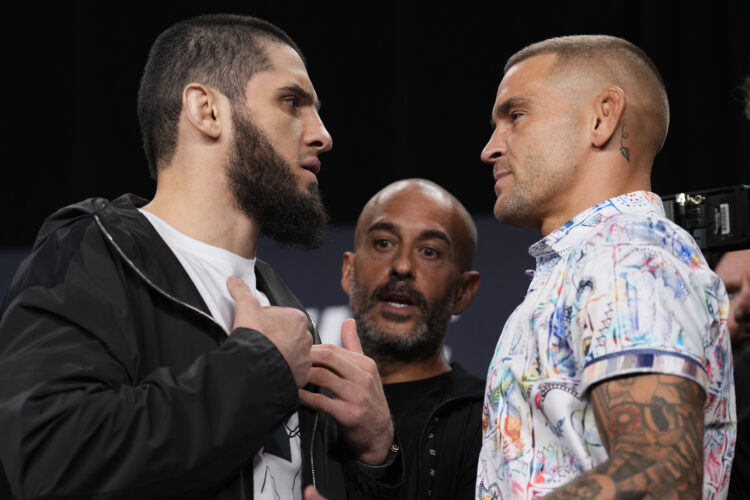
(639, 308)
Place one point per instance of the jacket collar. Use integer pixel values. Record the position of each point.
(141, 244)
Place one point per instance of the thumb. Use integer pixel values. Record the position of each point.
(238, 289)
(312, 494)
(247, 307)
(349, 338)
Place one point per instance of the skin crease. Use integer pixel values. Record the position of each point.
(557, 149)
(396, 239)
(734, 271)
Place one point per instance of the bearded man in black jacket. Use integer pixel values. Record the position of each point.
(409, 272)
(145, 352)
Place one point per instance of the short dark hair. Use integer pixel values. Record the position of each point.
(220, 50)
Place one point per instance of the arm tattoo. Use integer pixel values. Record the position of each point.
(624, 150)
(652, 427)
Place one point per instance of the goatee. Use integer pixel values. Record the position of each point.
(387, 346)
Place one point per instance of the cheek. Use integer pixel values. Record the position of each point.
(731, 322)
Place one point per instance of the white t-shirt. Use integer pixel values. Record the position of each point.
(209, 267)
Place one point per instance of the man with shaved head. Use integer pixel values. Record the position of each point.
(614, 376)
(409, 272)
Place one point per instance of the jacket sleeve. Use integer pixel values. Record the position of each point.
(381, 482)
(74, 420)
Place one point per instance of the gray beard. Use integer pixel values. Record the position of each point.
(388, 347)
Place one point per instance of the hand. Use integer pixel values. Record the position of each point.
(312, 494)
(286, 327)
(359, 404)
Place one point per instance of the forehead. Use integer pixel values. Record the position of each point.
(288, 71)
(734, 265)
(419, 208)
(528, 78)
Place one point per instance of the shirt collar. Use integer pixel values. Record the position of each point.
(562, 239)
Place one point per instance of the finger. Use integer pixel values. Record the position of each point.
(238, 289)
(349, 338)
(330, 381)
(312, 494)
(321, 402)
(247, 307)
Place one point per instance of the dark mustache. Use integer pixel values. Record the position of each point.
(400, 287)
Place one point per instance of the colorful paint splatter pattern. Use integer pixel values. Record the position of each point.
(617, 289)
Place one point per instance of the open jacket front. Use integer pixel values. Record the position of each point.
(117, 382)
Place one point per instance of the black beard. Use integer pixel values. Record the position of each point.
(389, 347)
(265, 188)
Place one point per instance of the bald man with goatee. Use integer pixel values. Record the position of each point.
(409, 272)
(613, 378)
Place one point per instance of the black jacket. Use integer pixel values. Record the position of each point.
(449, 443)
(116, 382)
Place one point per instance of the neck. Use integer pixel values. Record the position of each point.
(598, 182)
(204, 209)
(408, 371)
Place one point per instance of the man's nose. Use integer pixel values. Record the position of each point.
(495, 147)
(402, 266)
(317, 136)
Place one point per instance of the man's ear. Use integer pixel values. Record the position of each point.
(469, 285)
(200, 104)
(609, 107)
(347, 271)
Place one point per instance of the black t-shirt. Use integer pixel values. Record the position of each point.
(411, 404)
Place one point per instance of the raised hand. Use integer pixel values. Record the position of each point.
(358, 403)
(286, 327)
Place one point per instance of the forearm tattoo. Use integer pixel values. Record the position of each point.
(652, 428)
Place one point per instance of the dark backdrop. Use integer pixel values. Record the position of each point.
(406, 88)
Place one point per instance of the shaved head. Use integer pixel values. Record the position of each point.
(599, 61)
(409, 272)
(465, 237)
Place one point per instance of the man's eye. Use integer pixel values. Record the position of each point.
(293, 102)
(514, 116)
(382, 244)
(430, 252)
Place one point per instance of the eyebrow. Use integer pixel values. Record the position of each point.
(504, 109)
(302, 94)
(424, 235)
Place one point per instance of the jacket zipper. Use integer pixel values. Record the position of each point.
(312, 443)
(315, 422)
(146, 279)
(434, 412)
(163, 293)
(207, 316)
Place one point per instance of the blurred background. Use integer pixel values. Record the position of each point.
(407, 90)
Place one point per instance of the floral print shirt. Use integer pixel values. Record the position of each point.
(619, 289)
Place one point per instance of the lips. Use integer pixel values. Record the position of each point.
(500, 173)
(397, 300)
(396, 295)
(312, 165)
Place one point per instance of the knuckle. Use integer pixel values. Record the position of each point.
(369, 365)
